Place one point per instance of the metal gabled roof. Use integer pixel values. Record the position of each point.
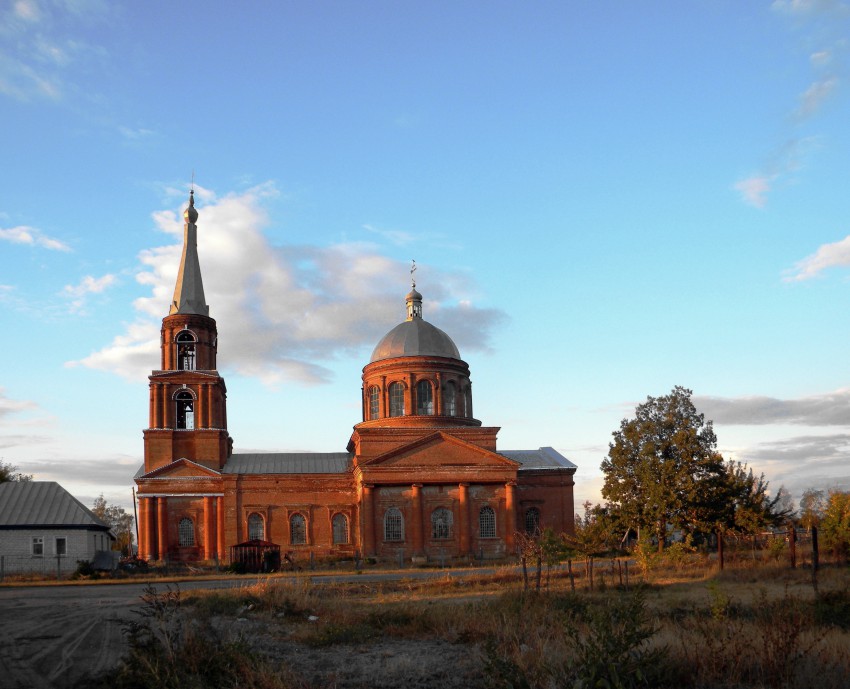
(288, 463)
(541, 458)
(42, 503)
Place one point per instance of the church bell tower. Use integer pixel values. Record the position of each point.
(188, 411)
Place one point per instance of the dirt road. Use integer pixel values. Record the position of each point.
(51, 636)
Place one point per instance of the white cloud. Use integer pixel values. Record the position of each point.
(754, 190)
(88, 285)
(398, 237)
(804, 6)
(813, 97)
(282, 311)
(826, 256)
(32, 237)
(45, 43)
(822, 23)
(828, 409)
(135, 133)
(27, 10)
(10, 406)
(821, 58)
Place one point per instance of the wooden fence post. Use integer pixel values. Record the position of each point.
(792, 545)
(720, 548)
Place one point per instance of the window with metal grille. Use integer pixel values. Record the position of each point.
(487, 522)
(256, 527)
(185, 351)
(393, 525)
(532, 520)
(450, 399)
(340, 529)
(186, 532)
(424, 398)
(441, 523)
(297, 529)
(374, 402)
(396, 399)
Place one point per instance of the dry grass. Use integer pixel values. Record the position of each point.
(686, 625)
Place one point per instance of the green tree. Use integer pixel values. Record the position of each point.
(9, 472)
(812, 508)
(746, 506)
(663, 467)
(835, 524)
(592, 531)
(120, 521)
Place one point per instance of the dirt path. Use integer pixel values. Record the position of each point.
(48, 640)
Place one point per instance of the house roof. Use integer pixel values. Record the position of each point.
(541, 458)
(43, 503)
(288, 463)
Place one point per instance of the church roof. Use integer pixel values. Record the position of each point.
(189, 289)
(43, 503)
(542, 458)
(288, 463)
(415, 336)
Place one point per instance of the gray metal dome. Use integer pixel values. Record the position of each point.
(415, 337)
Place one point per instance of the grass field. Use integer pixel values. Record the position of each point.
(755, 624)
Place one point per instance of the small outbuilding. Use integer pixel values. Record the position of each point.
(46, 530)
(256, 555)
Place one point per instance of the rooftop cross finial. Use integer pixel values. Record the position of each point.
(412, 271)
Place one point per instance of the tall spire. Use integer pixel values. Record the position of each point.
(189, 290)
(413, 298)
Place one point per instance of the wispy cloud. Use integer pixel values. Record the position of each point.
(9, 406)
(88, 285)
(32, 237)
(302, 305)
(135, 134)
(824, 22)
(826, 256)
(815, 96)
(754, 190)
(828, 409)
(44, 40)
(398, 237)
(801, 462)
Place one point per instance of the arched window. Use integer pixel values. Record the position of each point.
(424, 398)
(185, 351)
(441, 523)
(374, 402)
(340, 529)
(487, 522)
(393, 525)
(532, 520)
(297, 529)
(186, 533)
(256, 527)
(184, 412)
(467, 403)
(450, 399)
(396, 399)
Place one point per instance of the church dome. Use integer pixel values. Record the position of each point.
(415, 336)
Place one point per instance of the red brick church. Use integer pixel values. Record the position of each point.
(420, 477)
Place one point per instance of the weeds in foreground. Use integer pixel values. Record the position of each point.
(167, 650)
(775, 634)
(606, 645)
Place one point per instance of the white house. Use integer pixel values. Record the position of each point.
(46, 530)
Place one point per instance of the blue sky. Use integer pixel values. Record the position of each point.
(604, 200)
